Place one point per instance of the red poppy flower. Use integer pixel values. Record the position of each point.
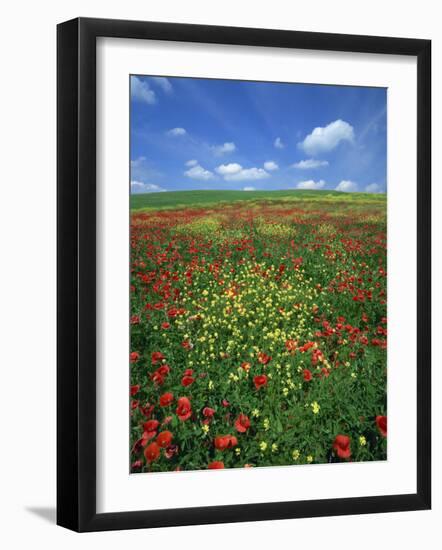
(151, 426)
(171, 451)
(157, 378)
(147, 436)
(263, 358)
(134, 320)
(187, 344)
(307, 375)
(156, 357)
(208, 412)
(341, 446)
(147, 410)
(381, 422)
(242, 423)
(324, 372)
(163, 370)
(216, 465)
(139, 444)
(187, 381)
(223, 442)
(246, 366)
(317, 355)
(165, 325)
(152, 452)
(184, 408)
(306, 346)
(166, 399)
(225, 403)
(260, 381)
(172, 312)
(134, 389)
(134, 356)
(291, 345)
(164, 439)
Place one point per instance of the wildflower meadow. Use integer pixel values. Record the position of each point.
(258, 329)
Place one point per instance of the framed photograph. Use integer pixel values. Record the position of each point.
(243, 274)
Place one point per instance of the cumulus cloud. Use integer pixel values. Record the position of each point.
(197, 172)
(248, 174)
(311, 184)
(192, 162)
(270, 165)
(326, 138)
(346, 185)
(140, 187)
(235, 172)
(141, 91)
(249, 188)
(373, 188)
(163, 83)
(227, 169)
(278, 143)
(227, 147)
(310, 164)
(174, 132)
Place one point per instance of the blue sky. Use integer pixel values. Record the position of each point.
(189, 133)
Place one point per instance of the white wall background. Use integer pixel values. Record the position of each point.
(27, 273)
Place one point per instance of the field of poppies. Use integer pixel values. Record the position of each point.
(258, 330)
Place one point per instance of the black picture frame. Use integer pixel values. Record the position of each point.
(76, 274)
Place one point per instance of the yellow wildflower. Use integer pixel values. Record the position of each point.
(315, 407)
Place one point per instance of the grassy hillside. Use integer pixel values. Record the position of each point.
(177, 199)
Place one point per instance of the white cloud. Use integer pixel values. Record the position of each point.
(140, 91)
(270, 165)
(174, 132)
(346, 185)
(311, 184)
(226, 169)
(278, 143)
(227, 147)
(248, 174)
(141, 169)
(135, 163)
(197, 172)
(310, 164)
(235, 172)
(373, 188)
(140, 187)
(163, 83)
(326, 138)
(192, 162)
(249, 188)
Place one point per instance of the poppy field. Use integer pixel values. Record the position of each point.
(258, 329)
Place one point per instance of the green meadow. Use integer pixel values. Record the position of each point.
(179, 199)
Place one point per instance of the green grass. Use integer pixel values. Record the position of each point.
(178, 199)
